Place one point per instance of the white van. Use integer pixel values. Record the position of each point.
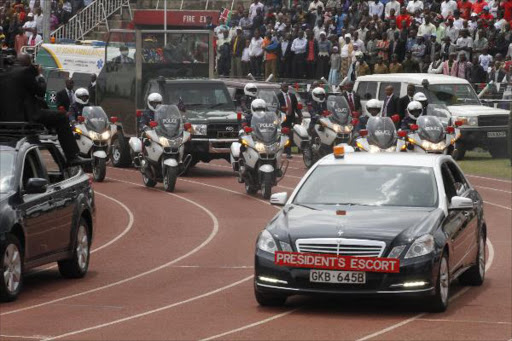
(484, 127)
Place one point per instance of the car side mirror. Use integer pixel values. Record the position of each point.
(279, 199)
(36, 186)
(461, 203)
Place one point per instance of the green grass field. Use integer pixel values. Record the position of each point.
(481, 163)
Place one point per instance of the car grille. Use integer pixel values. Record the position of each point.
(222, 131)
(489, 121)
(342, 246)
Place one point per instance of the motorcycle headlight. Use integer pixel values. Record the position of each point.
(94, 135)
(433, 146)
(163, 141)
(260, 147)
(467, 121)
(421, 246)
(337, 128)
(266, 242)
(374, 149)
(391, 149)
(105, 135)
(199, 129)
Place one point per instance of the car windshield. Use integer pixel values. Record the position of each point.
(369, 185)
(6, 171)
(453, 94)
(200, 100)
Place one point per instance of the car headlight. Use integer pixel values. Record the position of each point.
(266, 242)
(199, 129)
(421, 246)
(468, 121)
(396, 251)
(260, 147)
(105, 135)
(94, 135)
(433, 146)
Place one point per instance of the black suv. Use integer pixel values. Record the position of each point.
(207, 105)
(46, 210)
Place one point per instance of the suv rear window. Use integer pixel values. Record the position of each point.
(367, 90)
(383, 85)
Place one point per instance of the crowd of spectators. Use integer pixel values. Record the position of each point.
(342, 39)
(21, 21)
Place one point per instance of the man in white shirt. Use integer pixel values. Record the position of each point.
(427, 28)
(256, 53)
(451, 31)
(448, 8)
(393, 4)
(414, 6)
(464, 43)
(38, 18)
(299, 49)
(458, 22)
(254, 8)
(376, 8)
(315, 5)
(30, 26)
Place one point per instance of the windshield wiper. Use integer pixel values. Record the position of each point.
(346, 204)
(306, 206)
(216, 105)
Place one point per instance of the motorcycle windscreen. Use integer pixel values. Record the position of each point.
(430, 128)
(381, 132)
(95, 119)
(339, 108)
(440, 111)
(169, 121)
(264, 125)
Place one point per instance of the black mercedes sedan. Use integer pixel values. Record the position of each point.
(46, 209)
(374, 224)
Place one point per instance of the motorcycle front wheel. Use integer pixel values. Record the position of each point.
(99, 170)
(266, 190)
(170, 178)
(307, 156)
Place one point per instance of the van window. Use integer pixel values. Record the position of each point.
(367, 90)
(383, 85)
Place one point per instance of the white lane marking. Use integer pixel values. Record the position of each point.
(125, 231)
(149, 312)
(214, 267)
(494, 189)
(213, 233)
(465, 321)
(285, 187)
(486, 178)
(34, 337)
(231, 167)
(497, 205)
(414, 318)
(255, 324)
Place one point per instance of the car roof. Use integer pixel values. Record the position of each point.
(190, 81)
(384, 159)
(242, 82)
(414, 78)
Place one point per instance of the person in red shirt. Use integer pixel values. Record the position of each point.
(486, 16)
(404, 16)
(465, 7)
(507, 10)
(478, 6)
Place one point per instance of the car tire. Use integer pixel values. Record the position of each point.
(11, 263)
(99, 170)
(170, 178)
(78, 264)
(120, 152)
(439, 302)
(270, 300)
(475, 275)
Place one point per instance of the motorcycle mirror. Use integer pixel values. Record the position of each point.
(326, 113)
(187, 126)
(356, 114)
(153, 124)
(285, 131)
(413, 127)
(113, 119)
(138, 113)
(395, 118)
(81, 119)
(450, 130)
(300, 106)
(239, 116)
(247, 129)
(458, 123)
(402, 133)
(363, 132)
(355, 121)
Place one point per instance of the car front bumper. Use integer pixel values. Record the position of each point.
(472, 137)
(274, 279)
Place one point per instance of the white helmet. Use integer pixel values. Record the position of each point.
(373, 107)
(258, 105)
(251, 90)
(359, 54)
(318, 95)
(154, 101)
(82, 96)
(420, 97)
(414, 110)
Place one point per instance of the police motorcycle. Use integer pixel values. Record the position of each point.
(94, 132)
(427, 134)
(160, 154)
(334, 126)
(258, 156)
(379, 136)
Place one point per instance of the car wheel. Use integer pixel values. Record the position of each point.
(476, 274)
(99, 170)
(170, 178)
(120, 153)
(268, 300)
(11, 262)
(439, 302)
(78, 264)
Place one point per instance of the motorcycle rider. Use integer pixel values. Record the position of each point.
(81, 101)
(154, 101)
(414, 110)
(318, 106)
(250, 93)
(373, 108)
(420, 97)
